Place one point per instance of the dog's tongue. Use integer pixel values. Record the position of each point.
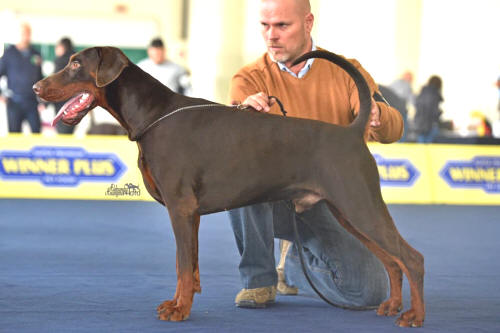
(57, 117)
(64, 109)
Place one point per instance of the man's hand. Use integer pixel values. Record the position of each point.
(3, 99)
(375, 115)
(259, 102)
(262, 103)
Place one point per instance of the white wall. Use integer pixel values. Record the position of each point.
(361, 29)
(460, 44)
(203, 45)
(454, 39)
(97, 22)
(116, 31)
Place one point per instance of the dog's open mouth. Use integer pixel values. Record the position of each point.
(74, 109)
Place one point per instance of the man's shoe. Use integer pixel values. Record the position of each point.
(256, 298)
(283, 288)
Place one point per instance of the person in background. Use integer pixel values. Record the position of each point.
(498, 87)
(402, 87)
(480, 124)
(64, 50)
(21, 64)
(396, 102)
(427, 110)
(346, 270)
(174, 76)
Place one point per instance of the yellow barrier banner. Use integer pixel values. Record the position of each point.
(465, 174)
(105, 168)
(65, 167)
(404, 172)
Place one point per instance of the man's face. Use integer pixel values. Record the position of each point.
(408, 77)
(157, 54)
(24, 36)
(285, 29)
(59, 50)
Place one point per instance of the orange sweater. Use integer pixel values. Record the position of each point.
(325, 93)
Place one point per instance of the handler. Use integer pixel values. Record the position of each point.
(342, 267)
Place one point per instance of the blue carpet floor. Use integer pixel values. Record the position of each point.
(90, 266)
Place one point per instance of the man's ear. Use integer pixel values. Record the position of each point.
(309, 22)
(112, 61)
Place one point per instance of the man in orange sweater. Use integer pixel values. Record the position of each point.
(345, 271)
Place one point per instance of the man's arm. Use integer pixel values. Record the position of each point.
(245, 90)
(391, 125)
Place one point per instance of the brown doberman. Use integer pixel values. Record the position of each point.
(198, 157)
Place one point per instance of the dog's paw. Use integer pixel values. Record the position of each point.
(173, 313)
(166, 305)
(390, 308)
(410, 319)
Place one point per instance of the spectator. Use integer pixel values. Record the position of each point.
(402, 88)
(396, 102)
(167, 72)
(64, 50)
(21, 64)
(498, 86)
(480, 124)
(428, 111)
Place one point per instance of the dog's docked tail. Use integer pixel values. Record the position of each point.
(359, 124)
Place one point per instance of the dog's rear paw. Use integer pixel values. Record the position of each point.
(410, 319)
(390, 308)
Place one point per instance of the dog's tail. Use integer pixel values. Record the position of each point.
(359, 124)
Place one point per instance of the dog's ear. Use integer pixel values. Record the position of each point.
(111, 63)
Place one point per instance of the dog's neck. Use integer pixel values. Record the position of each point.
(130, 93)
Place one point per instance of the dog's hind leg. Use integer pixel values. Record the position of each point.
(394, 304)
(185, 223)
(383, 239)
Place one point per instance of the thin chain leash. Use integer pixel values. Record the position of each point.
(190, 107)
(147, 128)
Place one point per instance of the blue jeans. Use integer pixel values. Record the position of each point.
(18, 112)
(341, 267)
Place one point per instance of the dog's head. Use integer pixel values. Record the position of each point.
(81, 83)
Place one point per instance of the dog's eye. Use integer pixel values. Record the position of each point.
(74, 65)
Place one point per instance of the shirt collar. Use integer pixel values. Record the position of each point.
(304, 69)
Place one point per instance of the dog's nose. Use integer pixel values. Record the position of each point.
(37, 88)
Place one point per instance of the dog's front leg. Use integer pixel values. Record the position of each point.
(185, 226)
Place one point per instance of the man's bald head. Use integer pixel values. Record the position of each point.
(302, 7)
